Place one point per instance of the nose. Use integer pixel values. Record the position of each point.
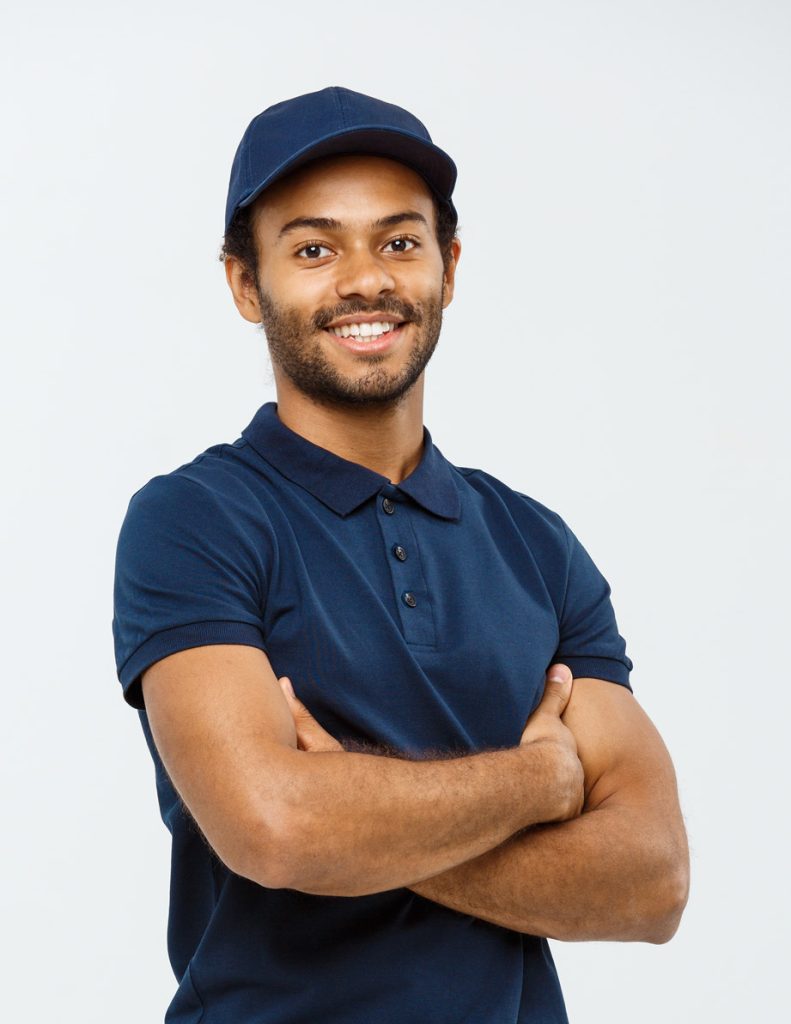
(363, 274)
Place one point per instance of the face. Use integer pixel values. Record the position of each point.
(347, 245)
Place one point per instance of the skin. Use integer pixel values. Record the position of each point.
(615, 863)
(617, 870)
(364, 407)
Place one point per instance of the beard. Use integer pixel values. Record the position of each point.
(308, 368)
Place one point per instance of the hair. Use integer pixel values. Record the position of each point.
(239, 240)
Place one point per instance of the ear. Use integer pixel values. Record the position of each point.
(450, 273)
(243, 290)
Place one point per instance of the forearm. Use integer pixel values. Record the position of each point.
(610, 874)
(359, 823)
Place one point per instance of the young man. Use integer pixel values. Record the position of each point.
(392, 829)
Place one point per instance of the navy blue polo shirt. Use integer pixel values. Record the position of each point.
(422, 616)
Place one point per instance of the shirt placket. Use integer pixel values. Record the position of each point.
(413, 600)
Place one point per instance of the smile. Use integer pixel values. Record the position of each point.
(372, 338)
(373, 330)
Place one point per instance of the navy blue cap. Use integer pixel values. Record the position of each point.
(324, 123)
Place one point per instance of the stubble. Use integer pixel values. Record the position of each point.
(299, 355)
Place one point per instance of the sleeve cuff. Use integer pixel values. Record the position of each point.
(586, 666)
(180, 638)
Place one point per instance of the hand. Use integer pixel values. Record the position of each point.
(545, 725)
(310, 735)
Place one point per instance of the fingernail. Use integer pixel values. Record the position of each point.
(287, 686)
(559, 676)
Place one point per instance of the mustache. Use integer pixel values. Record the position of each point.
(397, 310)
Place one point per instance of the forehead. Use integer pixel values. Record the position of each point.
(348, 187)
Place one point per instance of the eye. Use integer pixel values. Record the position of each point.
(312, 250)
(402, 241)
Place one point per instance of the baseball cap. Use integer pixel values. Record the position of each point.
(324, 123)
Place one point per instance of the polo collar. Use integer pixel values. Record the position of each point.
(343, 485)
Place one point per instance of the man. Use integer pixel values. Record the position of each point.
(396, 839)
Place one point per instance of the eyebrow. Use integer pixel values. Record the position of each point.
(330, 224)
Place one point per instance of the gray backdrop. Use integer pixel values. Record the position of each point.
(616, 349)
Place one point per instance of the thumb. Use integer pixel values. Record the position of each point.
(557, 690)
(310, 735)
(296, 705)
(303, 719)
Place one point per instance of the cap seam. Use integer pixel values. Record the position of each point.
(341, 109)
(248, 153)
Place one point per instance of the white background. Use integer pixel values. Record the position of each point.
(616, 348)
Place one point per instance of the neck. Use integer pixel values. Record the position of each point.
(386, 440)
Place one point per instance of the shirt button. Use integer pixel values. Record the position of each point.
(399, 552)
(388, 506)
(409, 598)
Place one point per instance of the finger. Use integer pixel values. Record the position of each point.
(298, 709)
(286, 687)
(310, 735)
(557, 690)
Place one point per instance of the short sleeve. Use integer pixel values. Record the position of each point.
(590, 643)
(186, 575)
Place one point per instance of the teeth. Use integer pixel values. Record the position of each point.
(362, 330)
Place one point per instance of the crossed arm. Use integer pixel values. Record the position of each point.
(619, 871)
(452, 831)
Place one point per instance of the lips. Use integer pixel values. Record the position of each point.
(363, 328)
(371, 342)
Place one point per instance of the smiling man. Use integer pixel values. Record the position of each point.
(386, 697)
(322, 359)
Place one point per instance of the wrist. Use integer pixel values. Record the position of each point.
(555, 778)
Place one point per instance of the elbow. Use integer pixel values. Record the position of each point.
(297, 858)
(671, 901)
(654, 898)
(260, 861)
(274, 848)
(266, 852)
(282, 854)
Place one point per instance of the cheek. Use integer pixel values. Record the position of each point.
(306, 295)
(297, 302)
(432, 283)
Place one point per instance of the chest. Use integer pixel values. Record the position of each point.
(402, 628)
